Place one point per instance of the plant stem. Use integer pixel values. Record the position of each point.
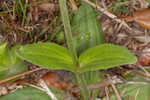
(79, 77)
(68, 32)
(83, 86)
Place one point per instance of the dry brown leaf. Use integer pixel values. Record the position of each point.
(52, 80)
(142, 17)
(46, 6)
(144, 59)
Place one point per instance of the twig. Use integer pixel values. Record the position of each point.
(135, 83)
(137, 92)
(99, 85)
(106, 83)
(143, 77)
(114, 88)
(19, 75)
(48, 91)
(123, 91)
(140, 72)
(116, 92)
(108, 14)
(107, 93)
(35, 87)
(143, 69)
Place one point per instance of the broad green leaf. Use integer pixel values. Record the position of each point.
(15, 69)
(105, 56)
(130, 91)
(2, 73)
(13, 57)
(14, 64)
(30, 93)
(86, 28)
(3, 49)
(3, 68)
(4, 57)
(47, 55)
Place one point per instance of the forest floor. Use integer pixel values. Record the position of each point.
(123, 22)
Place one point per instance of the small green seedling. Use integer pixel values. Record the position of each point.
(55, 57)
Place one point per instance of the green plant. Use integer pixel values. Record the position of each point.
(20, 9)
(87, 33)
(87, 29)
(10, 64)
(30, 93)
(53, 56)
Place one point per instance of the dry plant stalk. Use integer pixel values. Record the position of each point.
(19, 75)
(48, 91)
(108, 14)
